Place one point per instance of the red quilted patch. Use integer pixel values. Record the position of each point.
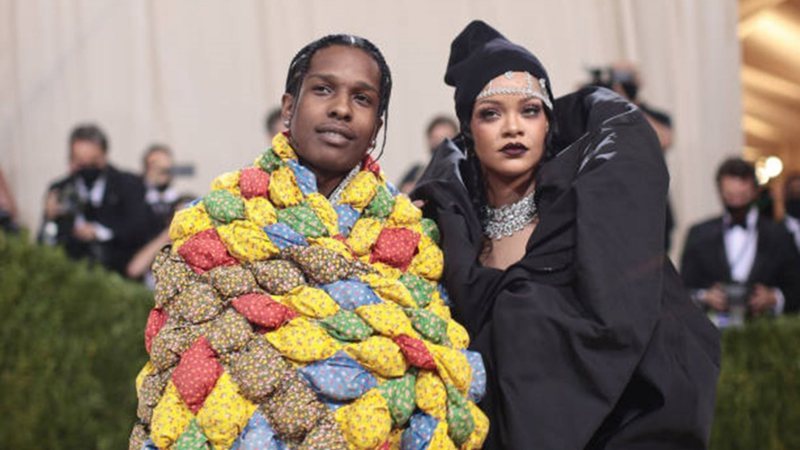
(197, 374)
(253, 182)
(155, 321)
(395, 247)
(205, 250)
(263, 311)
(415, 352)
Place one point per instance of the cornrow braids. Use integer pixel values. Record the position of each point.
(298, 69)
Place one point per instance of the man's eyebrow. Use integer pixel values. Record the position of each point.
(330, 78)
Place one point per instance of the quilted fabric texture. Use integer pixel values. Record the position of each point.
(285, 321)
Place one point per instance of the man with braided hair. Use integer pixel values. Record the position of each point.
(299, 305)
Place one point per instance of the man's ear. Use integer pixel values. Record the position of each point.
(287, 108)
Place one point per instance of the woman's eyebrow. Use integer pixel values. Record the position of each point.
(488, 100)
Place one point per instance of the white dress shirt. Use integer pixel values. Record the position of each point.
(741, 244)
(95, 197)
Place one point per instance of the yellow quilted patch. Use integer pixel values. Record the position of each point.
(281, 147)
(395, 439)
(440, 439)
(404, 213)
(228, 181)
(246, 241)
(390, 290)
(260, 211)
(188, 222)
(170, 417)
(387, 271)
(283, 189)
(363, 235)
(438, 307)
(225, 413)
(365, 423)
(310, 302)
(302, 340)
(332, 244)
(452, 366)
(387, 319)
(324, 210)
(431, 395)
(478, 435)
(146, 370)
(429, 262)
(457, 335)
(379, 354)
(360, 191)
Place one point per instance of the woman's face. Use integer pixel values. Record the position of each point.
(509, 129)
(334, 118)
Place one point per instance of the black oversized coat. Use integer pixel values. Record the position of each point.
(590, 340)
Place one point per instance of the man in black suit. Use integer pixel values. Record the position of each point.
(741, 257)
(96, 212)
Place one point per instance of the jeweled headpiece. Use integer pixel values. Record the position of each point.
(526, 91)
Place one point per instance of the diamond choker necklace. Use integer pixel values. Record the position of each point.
(508, 219)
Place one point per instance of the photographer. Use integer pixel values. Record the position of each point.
(740, 263)
(160, 196)
(96, 212)
(623, 78)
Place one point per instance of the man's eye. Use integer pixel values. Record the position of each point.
(363, 99)
(321, 89)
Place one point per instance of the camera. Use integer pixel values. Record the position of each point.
(611, 78)
(737, 295)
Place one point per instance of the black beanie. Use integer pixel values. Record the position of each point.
(478, 55)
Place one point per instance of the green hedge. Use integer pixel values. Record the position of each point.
(72, 345)
(758, 396)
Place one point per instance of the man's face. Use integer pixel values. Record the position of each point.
(334, 118)
(159, 169)
(86, 155)
(737, 192)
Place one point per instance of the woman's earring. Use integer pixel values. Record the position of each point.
(286, 123)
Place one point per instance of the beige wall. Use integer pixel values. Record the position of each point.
(199, 75)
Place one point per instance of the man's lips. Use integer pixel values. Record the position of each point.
(335, 134)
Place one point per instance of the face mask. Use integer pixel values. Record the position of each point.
(89, 175)
(793, 207)
(738, 212)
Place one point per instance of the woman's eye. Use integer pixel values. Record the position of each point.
(488, 114)
(532, 110)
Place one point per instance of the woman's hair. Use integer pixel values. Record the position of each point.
(302, 60)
